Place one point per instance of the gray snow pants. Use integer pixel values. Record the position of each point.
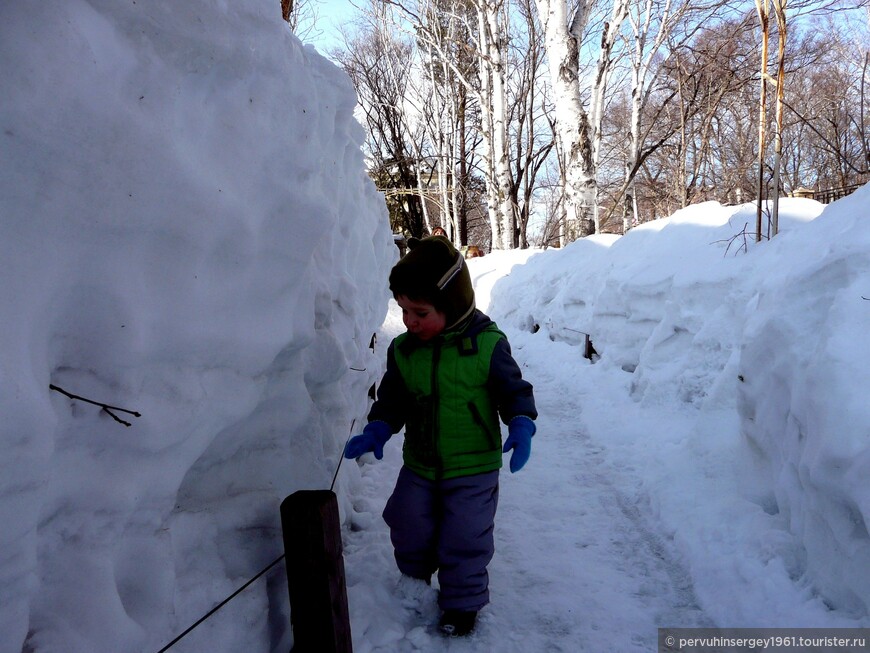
(445, 526)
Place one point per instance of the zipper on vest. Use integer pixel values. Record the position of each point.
(436, 423)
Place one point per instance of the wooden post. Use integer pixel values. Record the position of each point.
(315, 573)
(588, 348)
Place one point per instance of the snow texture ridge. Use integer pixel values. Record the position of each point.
(187, 231)
(805, 364)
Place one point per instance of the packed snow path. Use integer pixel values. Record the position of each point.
(578, 565)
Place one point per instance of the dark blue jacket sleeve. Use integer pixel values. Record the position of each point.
(392, 396)
(513, 393)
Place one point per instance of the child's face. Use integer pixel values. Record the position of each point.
(421, 318)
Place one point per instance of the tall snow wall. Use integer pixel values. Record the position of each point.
(187, 231)
(803, 395)
(776, 332)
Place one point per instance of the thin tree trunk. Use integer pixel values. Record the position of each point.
(462, 187)
(779, 9)
(492, 73)
(763, 15)
(684, 143)
(599, 88)
(562, 40)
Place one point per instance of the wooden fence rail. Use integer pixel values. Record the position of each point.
(833, 194)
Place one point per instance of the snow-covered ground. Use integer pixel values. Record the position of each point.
(187, 231)
(709, 469)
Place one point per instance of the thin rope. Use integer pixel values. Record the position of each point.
(219, 606)
(243, 587)
(341, 456)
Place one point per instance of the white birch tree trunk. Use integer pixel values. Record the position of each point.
(437, 134)
(451, 153)
(491, 96)
(493, 205)
(456, 186)
(629, 206)
(448, 147)
(779, 8)
(444, 138)
(494, 26)
(599, 86)
(562, 42)
(439, 116)
(763, 7)
(641, 19)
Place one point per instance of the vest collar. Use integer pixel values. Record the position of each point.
(459, 335)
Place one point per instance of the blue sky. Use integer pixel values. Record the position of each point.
(331, 14)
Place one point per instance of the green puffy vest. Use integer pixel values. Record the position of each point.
(452, 427)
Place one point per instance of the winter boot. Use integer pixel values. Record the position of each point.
(456, 623)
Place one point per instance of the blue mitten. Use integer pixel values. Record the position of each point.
(373, 438)
(520, 432)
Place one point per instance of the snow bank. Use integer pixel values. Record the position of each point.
(771, 335)
(803, 399)
(669, 288)
(188, 232)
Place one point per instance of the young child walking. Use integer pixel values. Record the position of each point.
(449, 379)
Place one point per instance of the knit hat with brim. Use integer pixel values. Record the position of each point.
(434, 271)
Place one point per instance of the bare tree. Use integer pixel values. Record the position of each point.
(302, 16)
(696, 144)
(827, 110)
(652, 25)
(766, 80)
(443, 107)
(487, 40)
(492, 36)
(563, 38)
(530, 124)
(650, 105)
(443, 101)
(599, 87)
(376, 63)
